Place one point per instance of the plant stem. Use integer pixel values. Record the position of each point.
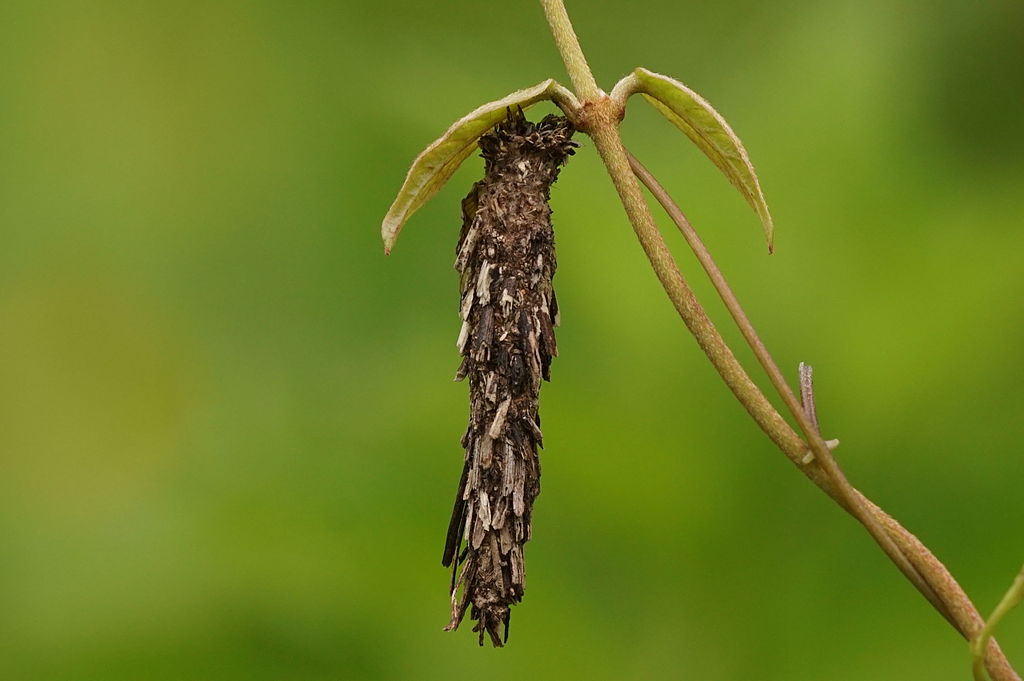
(926, 572)
(603, 129)
(569, 48)
(609, 145)
(907, 552)
(1013, 597)
(823, 456)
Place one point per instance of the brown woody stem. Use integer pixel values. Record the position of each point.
(599, 116)
(843, 492)
(920, 566)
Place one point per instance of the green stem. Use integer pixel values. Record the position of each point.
(609, 146)
(926, 572)
(602, 126)
(846, 495)
(569, 48)
(1013, 597)
(598, 116)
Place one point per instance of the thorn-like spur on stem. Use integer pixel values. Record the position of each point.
(807, 394)
(807, 400)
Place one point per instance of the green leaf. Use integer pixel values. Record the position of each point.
(706, 128)
(440, 160)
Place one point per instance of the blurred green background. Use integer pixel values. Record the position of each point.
(228, 431)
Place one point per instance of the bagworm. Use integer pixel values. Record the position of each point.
(506, 261)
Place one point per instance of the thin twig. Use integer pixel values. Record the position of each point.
(926, 572)
(598, 116)
(569, 47)
(1012, 598)
(822, 455)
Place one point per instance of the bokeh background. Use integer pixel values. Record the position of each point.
(228, 431)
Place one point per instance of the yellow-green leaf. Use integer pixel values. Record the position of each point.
(708, 130)
(440, 160)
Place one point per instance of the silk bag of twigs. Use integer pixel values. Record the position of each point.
(506, 260)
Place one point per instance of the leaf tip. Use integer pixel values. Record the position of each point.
(769, 226)
(389, 233)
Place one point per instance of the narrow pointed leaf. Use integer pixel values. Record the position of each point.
(440, 160)
(706, 128)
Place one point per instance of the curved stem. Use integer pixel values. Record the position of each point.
(565, 100)
(603, 129)
(979, 644)
(925, 571)
(822, 454)
(910, 555)
(608, 144)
